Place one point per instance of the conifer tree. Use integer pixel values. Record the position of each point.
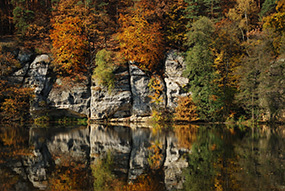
(199, 68)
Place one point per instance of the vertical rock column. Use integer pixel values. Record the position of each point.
(174, 80)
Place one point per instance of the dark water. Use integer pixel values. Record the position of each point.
(185, 157)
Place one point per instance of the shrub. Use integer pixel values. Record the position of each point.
(103, 73)
(186, 109)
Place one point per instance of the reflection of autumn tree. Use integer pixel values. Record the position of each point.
(155, 155)
(69, 176)
(104, 178)
(15, 142)
(186, 135)
(146, 182)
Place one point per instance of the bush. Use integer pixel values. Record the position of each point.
(103, 73)
(186, 109)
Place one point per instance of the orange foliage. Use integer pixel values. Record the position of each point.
(186, 134)
(69, 46)
(140, 40)
(186, 109)
(145, 182)
(155, 156)
(15, 102)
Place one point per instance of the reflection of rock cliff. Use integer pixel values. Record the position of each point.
(129, 147)
(130, 97)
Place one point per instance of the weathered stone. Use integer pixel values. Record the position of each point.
(140, 91)
(115, 103)
(74, 97)
(174, 80)
(174, 164)
(74, 144)
(36, 77)
(116, 140)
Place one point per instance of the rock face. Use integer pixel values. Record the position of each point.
(112, 104)
(130, 97)
(174, 67)
(72, 96)
(37, 78)
(140, 92)
(174, 164)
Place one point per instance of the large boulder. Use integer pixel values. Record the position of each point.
(174, 80)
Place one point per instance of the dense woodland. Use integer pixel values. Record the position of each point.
(234, 49)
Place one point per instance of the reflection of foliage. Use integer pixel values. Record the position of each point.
(186, 109)
(260, 159)
(210, 161)
(186, 135)
(149, 182)
(15, 141)
(155, 155)
(104, 179)
(69, 176)
(7, 181)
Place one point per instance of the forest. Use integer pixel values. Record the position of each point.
(234, 50)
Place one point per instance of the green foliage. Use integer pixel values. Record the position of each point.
(102, 173)
(103, 73)
(22, 17)
(207, 8)
(267, 7)
(199, 68)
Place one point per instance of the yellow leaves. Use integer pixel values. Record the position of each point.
(155, 155)
(276, 20)
(140, 40)
(186, 109)
(16, 102)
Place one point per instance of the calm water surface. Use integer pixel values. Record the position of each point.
(184, 157)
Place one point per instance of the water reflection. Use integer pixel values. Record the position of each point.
(188, 157)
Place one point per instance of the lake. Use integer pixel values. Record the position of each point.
(134, 157)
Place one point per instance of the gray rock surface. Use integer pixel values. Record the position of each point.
(174, 80)
(72, 96)
(36, 77)
(174, 164)
(140, 91)
(115, 103)
(129, 99)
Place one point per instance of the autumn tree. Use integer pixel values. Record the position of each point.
(207, 8)
(73, 29)
(245, 15)
(139, 36)
(186, 109)
(175, 25)
(227, 51)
